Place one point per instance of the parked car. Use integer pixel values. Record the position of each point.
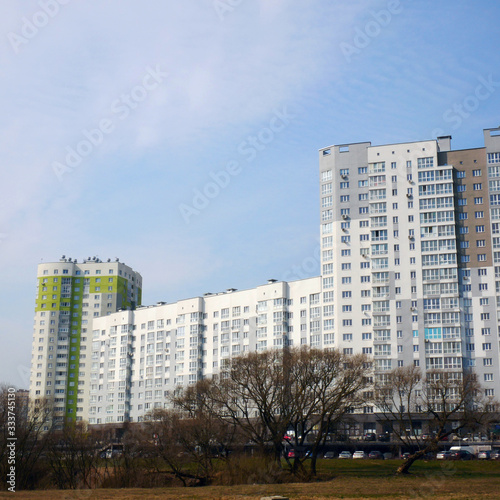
(443, 455)
(495, 455)
(376, 455)
(370, 436)
(461, 455)
(405, 455)
(484, 455)
(388, 456)
(384, 438)
(329, 454)
(360, 454)
(345, 454)
(292, 454)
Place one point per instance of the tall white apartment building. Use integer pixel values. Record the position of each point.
(70, 296)
(139, 357)
(408, 253)
(410, 256)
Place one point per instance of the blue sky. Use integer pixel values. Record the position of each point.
(176, 93)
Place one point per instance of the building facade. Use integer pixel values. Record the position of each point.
(410, 240)
(410, 275)
(139, 357)
(70, 296)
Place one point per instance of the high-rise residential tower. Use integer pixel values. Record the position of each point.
(69, 296)
(410, 276)
(409, 233)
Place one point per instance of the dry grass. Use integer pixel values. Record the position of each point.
(390, 487)
(351, 479)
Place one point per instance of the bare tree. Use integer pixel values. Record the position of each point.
(73, 456)
(326, 385)
(31, 430)
(253, 392)
(446, 401)
(212, 433)
(180, 443)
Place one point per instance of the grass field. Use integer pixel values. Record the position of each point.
(347, 479)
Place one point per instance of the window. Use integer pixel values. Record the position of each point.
(478, 201)
(476, 173)
(479, 215)
(344, 198)
(326, 176)
(493, 157)
(479, 229)
(478, 187)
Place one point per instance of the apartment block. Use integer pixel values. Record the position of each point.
(408, 253)
(139, 357)
(410, 276)
(70, 296)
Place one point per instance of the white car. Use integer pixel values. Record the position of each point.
(359, 454)
(345, 454)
